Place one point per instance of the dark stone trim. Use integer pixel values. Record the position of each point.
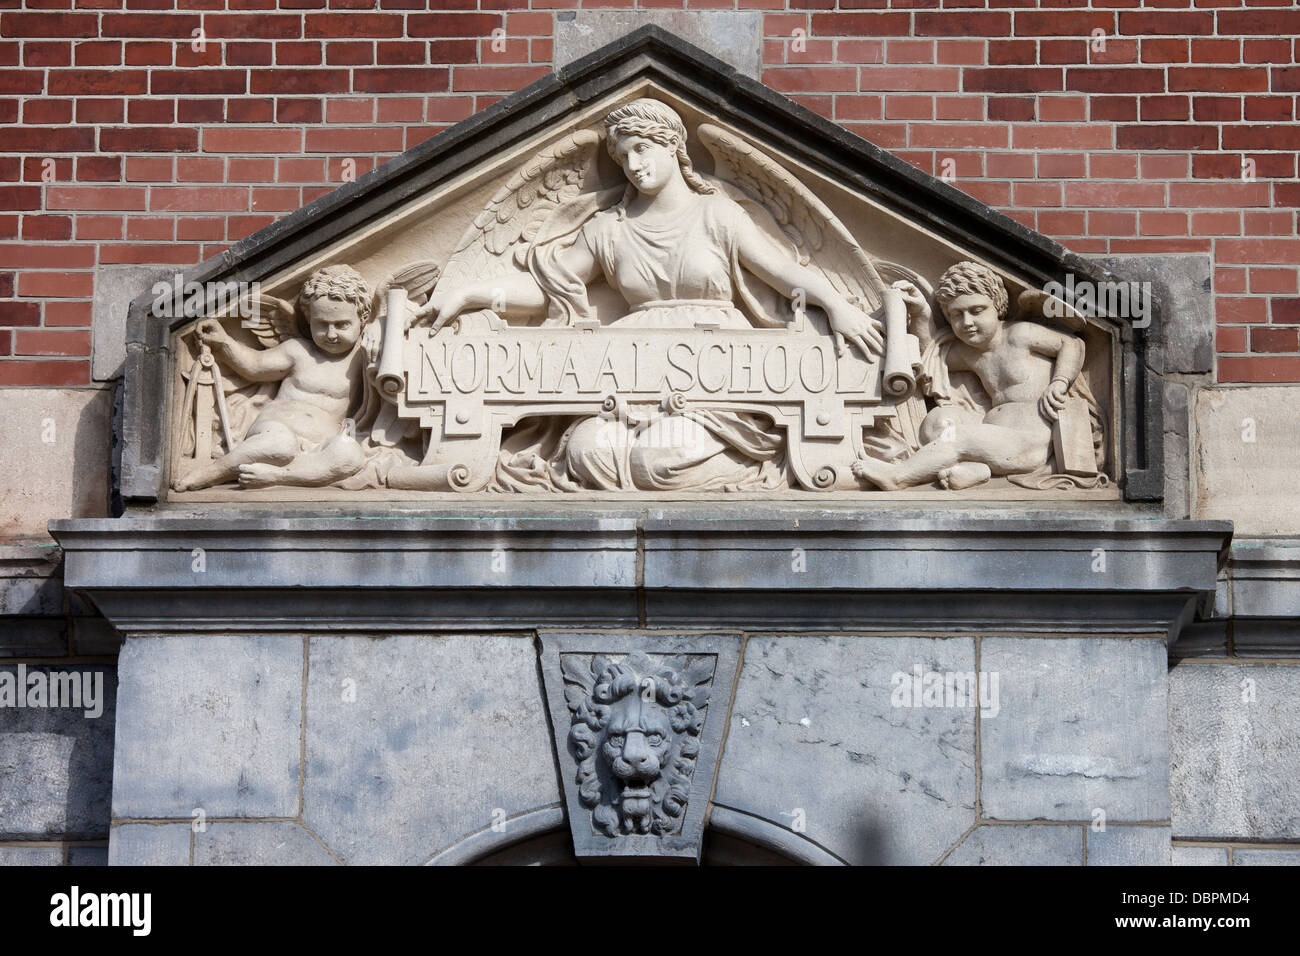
(1262, 615)
(828, 570)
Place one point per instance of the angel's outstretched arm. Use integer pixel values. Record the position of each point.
(507, 294)
(256, 365)
(786, 276)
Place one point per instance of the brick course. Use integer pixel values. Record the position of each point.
(161, 131)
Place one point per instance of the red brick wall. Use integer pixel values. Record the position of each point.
(121, 143)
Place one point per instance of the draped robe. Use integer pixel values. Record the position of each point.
(672, 275)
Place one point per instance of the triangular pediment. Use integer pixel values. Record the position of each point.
(636, 353)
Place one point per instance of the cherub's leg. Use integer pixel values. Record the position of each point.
(965, 474)
(1006, 451)
(336, 458)
(273, 443)
(923, 466)
(996, 449)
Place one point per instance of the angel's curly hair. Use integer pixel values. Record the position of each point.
(341, 282)
(659, 123)
(971, 278)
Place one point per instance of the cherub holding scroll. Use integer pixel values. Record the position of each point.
(300, 437)
(1030, 372)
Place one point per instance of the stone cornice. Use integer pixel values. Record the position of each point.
(760, 568)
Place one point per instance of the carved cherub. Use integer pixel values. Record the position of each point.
(299, 437)
(1026, 368)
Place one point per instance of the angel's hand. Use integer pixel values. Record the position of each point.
(441, 307)
(913, 298)
(1053, 400)
(851, 323)
(211, 333)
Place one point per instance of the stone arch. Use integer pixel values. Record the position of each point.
(541, 838)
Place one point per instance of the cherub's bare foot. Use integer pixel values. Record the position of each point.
(965, 474)
(259, 475)
(196, 479)
(876, 472)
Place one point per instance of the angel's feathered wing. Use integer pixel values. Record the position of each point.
(272, 320)
(498, 240)
(822, 242)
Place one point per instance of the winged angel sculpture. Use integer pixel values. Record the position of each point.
(667, 247)
(682, 250)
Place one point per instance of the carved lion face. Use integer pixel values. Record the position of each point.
(638, 739)
(635, 733)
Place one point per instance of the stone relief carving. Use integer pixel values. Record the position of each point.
(653, 329)
(301, 436)
(1021, 410)
(635, 734)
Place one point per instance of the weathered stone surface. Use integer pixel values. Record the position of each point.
(1082, 727)
(56, 457)
(1128, 846)
(94, 635)
(1235, 760)
(735, 38)
(148, 844)
(1249, 481)
(115, 287)
(87, 856)
(815, 741)
(415, 741)
(1265, 597)
(31, 856)
(31, 581)
(210, 723)
(1020, 845)
(1199, 856)
(1278, 857)
(724, 565)
(33, 637)
(1177, 452)
(259, 844)
(1183, 287)
(56, 764)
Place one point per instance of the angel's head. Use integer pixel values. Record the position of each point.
(648, 139)
(974, 300)
(336, 303)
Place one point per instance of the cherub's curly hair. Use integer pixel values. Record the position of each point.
(343, 283)
(659, 123)
(971, 278)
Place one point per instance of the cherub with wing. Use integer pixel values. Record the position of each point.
(682, 251)
(1029, 369)
(300, 436)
